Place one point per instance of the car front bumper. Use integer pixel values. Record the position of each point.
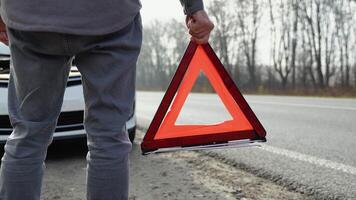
(70, 123)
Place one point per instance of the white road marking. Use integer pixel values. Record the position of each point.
(297, 156)
(304, 105)
(310, 159)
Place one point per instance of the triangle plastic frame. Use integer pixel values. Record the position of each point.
(151, 144)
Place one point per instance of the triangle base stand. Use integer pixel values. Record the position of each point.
(225, 145)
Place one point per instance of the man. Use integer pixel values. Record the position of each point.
(105, 37)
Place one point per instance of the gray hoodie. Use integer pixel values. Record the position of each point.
(82, 17)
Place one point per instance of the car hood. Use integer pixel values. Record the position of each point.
(4, 50)
(74, 78)
(5, 65)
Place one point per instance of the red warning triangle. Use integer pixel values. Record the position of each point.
(164, 133)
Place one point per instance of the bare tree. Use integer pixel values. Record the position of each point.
(155, 64)
(344, 22)
(312, 16)
(283, 43)
(318, 16)
(329, 37)
(224, 35)
(313, 44)
(177, 42)
(354, 76)
(248, 19)
(304, 58)
(294, 40)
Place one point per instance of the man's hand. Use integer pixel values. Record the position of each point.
(199, 26)
(3, 34)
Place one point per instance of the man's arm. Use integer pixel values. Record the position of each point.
(192, 6)
(197, 20)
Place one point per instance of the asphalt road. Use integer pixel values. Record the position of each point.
(170, 176)
(311, 144)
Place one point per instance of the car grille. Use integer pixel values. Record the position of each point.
(67, 121)
(72, 81)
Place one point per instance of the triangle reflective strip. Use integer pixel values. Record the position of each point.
(163, 133)
(201, 62)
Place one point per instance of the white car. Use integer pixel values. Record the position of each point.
(70, 122)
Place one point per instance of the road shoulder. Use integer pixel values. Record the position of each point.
(178, 176)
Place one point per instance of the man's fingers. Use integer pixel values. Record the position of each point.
(202, 40)
(199, 31)
(199, 26)
(4, 38)
(189, 20)
(194, 32)
(199, 35)
(3, 35)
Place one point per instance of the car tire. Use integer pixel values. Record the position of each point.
(132, 134)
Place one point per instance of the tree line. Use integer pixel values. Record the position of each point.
(310, 45)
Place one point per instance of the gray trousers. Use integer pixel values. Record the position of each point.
(40, 67)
